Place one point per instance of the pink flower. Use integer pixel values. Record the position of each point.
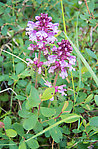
(52, 98)
(61, 59)
(30, 61)
(35, 64)
(63, 74)
(42, 32)
(52, 58)
(62, 90)
(39, 70)
(52, 68)
(48, 84)
(41, 35)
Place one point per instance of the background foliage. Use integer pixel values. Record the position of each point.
(78, 127)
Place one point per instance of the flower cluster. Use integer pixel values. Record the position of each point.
(61, 59)
(60, 89)
(41, 32)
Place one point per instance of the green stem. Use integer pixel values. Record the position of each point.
(79, 61)
(12, 97)
(73, 88)
(50, 127)
(63, 18)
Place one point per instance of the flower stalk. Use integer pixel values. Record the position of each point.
(55, 80)
(63, 18)
(39, 54)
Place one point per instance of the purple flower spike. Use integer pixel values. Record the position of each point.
(42, 32)
(61, 59)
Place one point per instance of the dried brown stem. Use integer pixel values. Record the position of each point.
(52, 144)
(87, 7)
(55, 80)
(58, 115)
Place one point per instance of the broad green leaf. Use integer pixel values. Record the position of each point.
(19, 67)
(48, 94)
(12, 146)
(76, 131)
(7, 122)
(24, 113)
(1, 58)
(47, 112)
(1, 10)
(20, 41)
(65, 106)
(30, 122)
(7, 10)
(91, 5)
(4, 77)
(24, 74)
(51, 121)
(33, 99)
(1, 4)
(89, 98)
(33, 144)
(14, 77)
(69, 107)
(18, 128)
(66, 130)
(28, 89)
(4, 30)
(22, 145)
(19, 97)
(56, 134)
(94, 121)
(83, 17)
(11, 133)
(96, 99)
(87, 107)
(47, 134)
(91, 53)
(4, 97)
(70, 118)
(92, 22)
(22, 83)
(38, 127)
(10, 82)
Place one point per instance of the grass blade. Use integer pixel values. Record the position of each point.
(84, 61)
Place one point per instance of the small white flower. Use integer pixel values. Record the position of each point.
(79, 2)
(52, 98)
(63, 74)
(39, 70)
